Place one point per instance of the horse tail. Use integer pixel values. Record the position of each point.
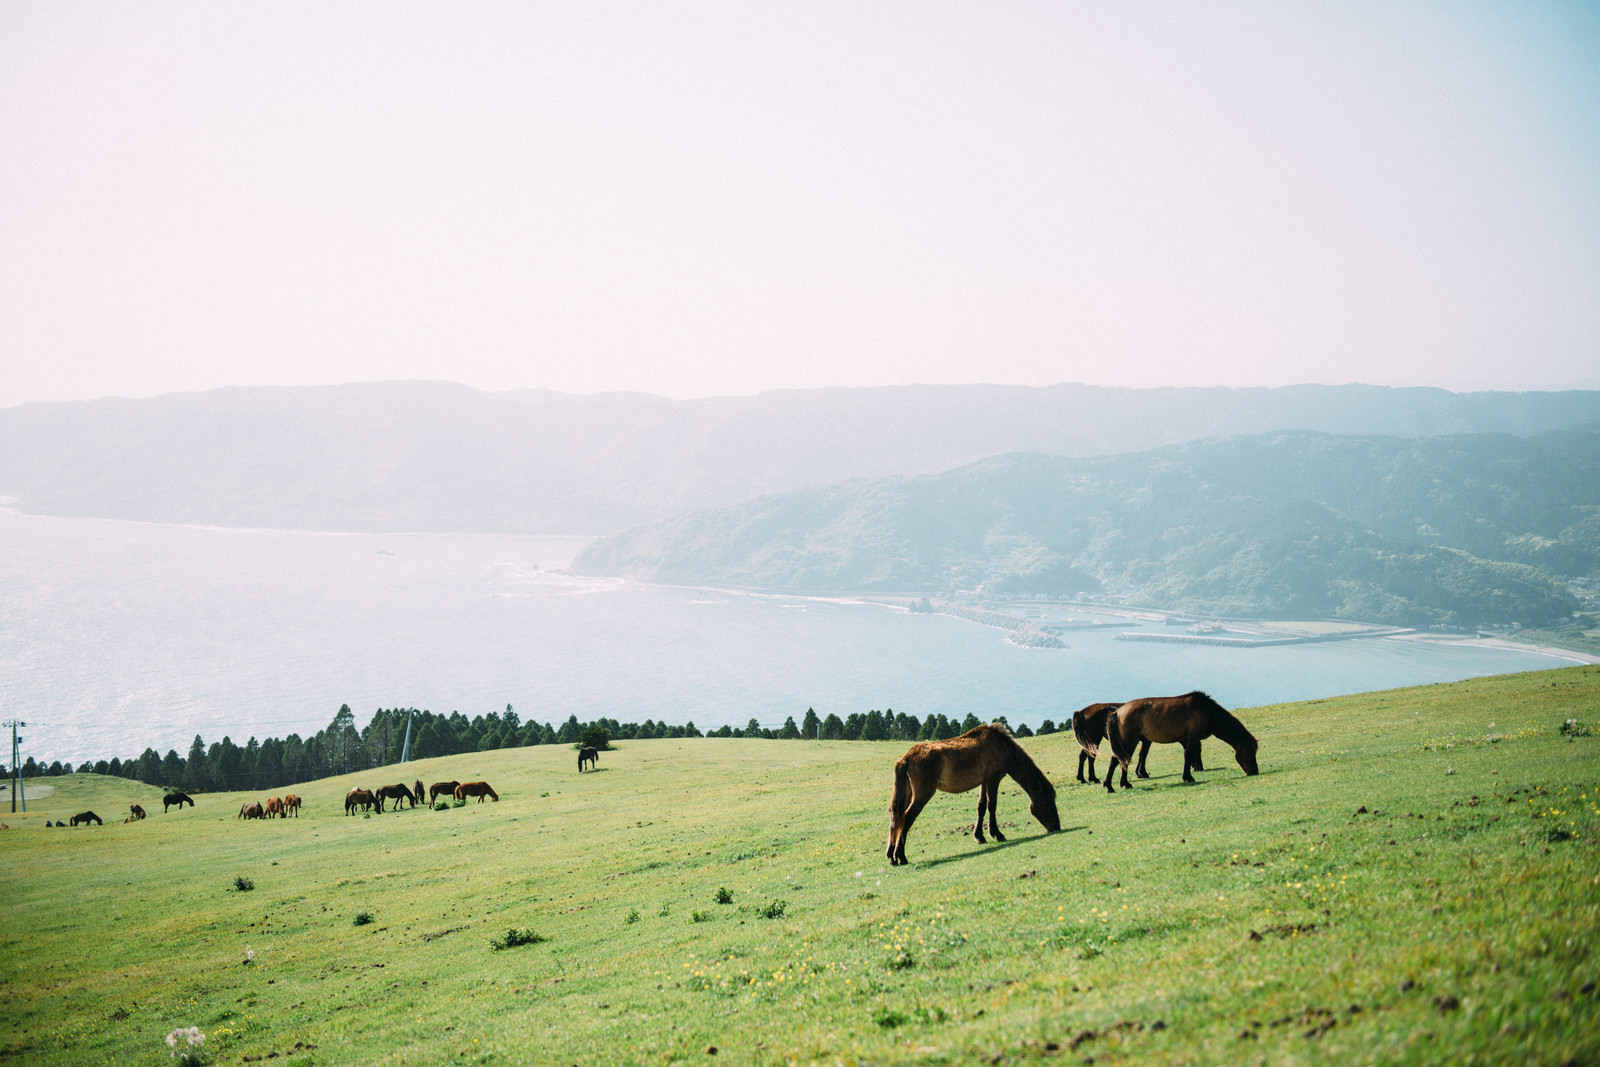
(901, 795)
(1085, 737)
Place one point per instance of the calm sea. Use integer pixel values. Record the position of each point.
(115, 636)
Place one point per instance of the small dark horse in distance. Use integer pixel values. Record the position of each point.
(1185, 720)
(588, 755)
(84, 818)
(177, 798)
(980, 757)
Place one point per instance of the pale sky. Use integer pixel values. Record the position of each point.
(714, 198)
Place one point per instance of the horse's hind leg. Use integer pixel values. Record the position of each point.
(897, 845)
(1144, 752)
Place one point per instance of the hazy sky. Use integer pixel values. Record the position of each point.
(707, 198)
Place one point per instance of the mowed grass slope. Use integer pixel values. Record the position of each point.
(1414, 877)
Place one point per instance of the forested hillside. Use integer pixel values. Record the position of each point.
(428, 456)
(1451, 531)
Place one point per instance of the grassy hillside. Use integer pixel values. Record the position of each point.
(1414, 877)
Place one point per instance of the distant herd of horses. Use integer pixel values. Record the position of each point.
(977, 759)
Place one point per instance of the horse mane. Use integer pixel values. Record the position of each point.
(1021, 767)
(1227, 727)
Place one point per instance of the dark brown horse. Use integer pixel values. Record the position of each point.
(84, 818)
(358, 798)
(416, 792)
(250, 810)
(441, 788)
(396, 793)
(588, 755)
(135, 812)
(1185, 720)
(980, 757)
(476, 789)
(1089, 728)
(177, 798)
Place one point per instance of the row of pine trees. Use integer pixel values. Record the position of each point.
(341, 748)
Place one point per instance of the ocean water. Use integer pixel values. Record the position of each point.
(117, 636)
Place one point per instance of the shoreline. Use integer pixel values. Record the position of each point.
(1554, 651)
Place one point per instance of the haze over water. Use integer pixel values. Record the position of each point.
(118, 636)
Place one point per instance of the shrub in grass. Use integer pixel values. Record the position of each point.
(698, 916)
(441, 805)
(1573, 728)
(724, 895)
(363, 918)
(774, 909)
(633, 916)
(514, 937)
(242, 884)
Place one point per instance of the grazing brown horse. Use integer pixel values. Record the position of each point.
(1185, 720)
(441, 788)
(251, 810)
(588, 755)
(84, 818)
(980, 757)
(397, 793)
(177, 798)
(1089, 728)
(358, 798)
(476, 789)
(135, 812)
(274, 808)
(416, 792)
(291, 802)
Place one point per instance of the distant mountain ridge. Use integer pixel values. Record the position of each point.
(439, 457)
(1459, 530)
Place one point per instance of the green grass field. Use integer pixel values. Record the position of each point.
(1414, 877)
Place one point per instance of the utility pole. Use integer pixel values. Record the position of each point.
(16, 767)
(405, 746)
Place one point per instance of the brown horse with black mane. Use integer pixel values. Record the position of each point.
(588, 754)
(441, 788)
(1185, 720)
(476, 789)
(291, 802)
(177, 798)
(980, 757)
(358, 798)
(84, 818)
(1089, 728)
(397, 793)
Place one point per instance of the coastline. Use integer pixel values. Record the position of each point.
(1554, 651)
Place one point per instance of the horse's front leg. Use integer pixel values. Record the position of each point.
(1199, 764)
(1191, 759)
(994, 808)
